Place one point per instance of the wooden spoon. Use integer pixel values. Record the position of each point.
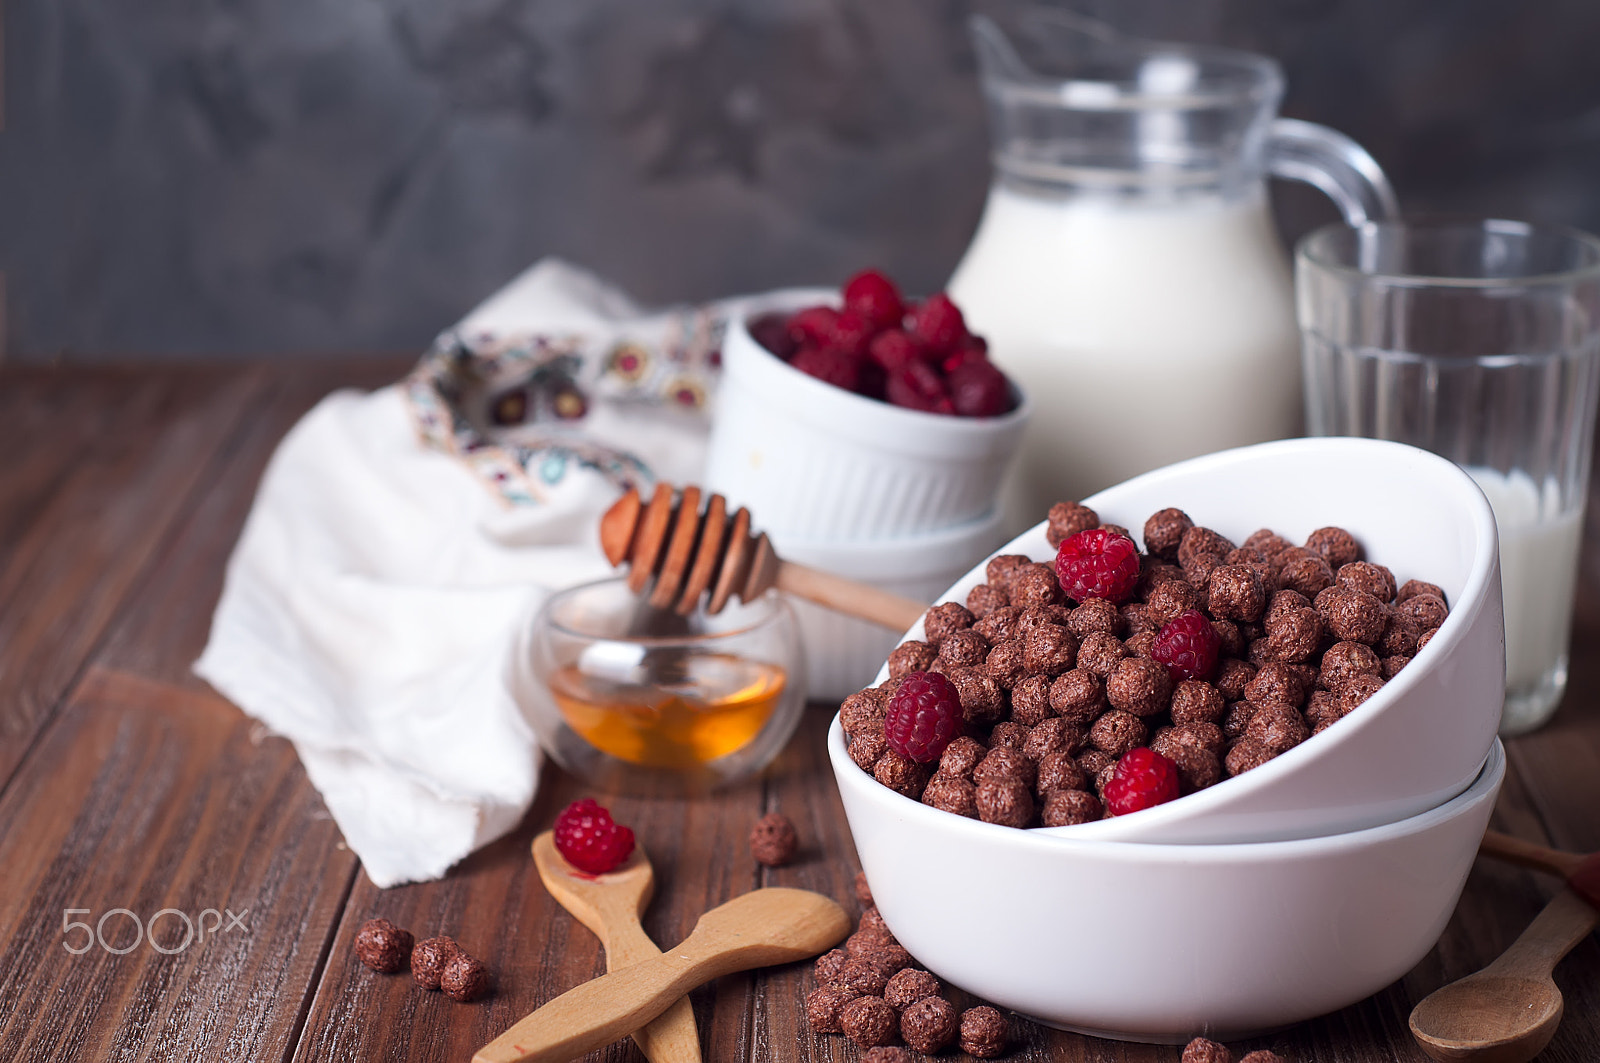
(692, 554)
(757, 929)
(1508, 1012)
(610, 905)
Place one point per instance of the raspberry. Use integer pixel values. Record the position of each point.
(772, 332)
(874, 296)
(586, 836)
(917, 386)
(923, 716)
(1143, 778)
(1188, 645)
(1097, 564)
(894, 349)
(813, 326)
(852, 331)
(978, 389)
(970, 349)
(937, 322)
(829, 366)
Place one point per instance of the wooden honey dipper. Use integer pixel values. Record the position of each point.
(690, 553)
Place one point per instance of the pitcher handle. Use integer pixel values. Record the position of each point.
(1332, 162)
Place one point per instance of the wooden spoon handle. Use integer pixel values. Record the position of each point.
(671, 1037)
(849, 597)
(1565, 921)
(1528, 854)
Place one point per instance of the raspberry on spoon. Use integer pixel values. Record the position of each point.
(1096, 563)
(588, 838)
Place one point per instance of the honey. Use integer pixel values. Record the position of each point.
(680, 713)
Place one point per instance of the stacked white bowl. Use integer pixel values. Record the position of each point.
(898, 498)
(1292, 890)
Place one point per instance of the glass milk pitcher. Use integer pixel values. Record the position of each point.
(1126, 271)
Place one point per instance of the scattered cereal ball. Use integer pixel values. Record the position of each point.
(1066, 808)
(1096, 614)
(1067, 519)
(911, 656)
(1117, 731)
(951, 793)
(872, 919)
(828, 964)
(859, 974)
(1375, 580)
(464, 978)
(868, 1021)
(866, 748)
(1077, 696)
(1164, 531)
(1201, 1050)
(1261, 1055)
(944, 619)
(887, 1054)
(1245, 754)
(983, 1032)
(1353, 616)
(823, 1007)
(863, 891)
(929, 1024)
(383, 946)
(1005, 799)
(428, 960)
(1413, 587)
(909, 986)
(1424, 610)
(772, 840)
(983, 600)
(1139, 685)
(1334, 545)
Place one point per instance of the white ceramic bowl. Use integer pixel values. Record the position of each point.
(1418, 741)
(817, 463)
(842, 653)
(1162, 942)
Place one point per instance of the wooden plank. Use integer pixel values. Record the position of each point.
(144, 796)
(82, 522)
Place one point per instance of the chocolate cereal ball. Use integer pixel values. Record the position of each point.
(901, 774)
(1139, 685)
(1309, 575)
(1077, 696)
(1051, 736)
(773, 840)
(824, 1005)
(1006, 762)
(1282, 601)
(1201, 1050)
(1066, 808)
(1009, 734)
(428, 959)
(962, 649)
(981, 700)
(1196, 701)
(1424, 610)
(1000, 625)
(867, 747)
(1375, 580)
(911, 656)
(1170, 599)
(862, 711)
(868, 1021)
(1164, 531)
(1294, 635)
(887, 1054)
(951, 793)
(1005, 799)
(946, 618)
(1343, 661)
(383, 946)
(1096, 614)
(984, 601)
(999, 571)
(1353, 616)
(1413, 587)
(1049, 649)
(1237, 592)
(961, 756)
(1202, 542)
(909, 986)
(464, 978)
(1233, 675)
(929, 1024)
(1117, 731)
(828, 964)
(859, 974)
(1067, 519)
(1058, 771)
(983, 1032)
(1358, 690)
(1030, 700)
(1261, 1055)
(1245, 754)
(1334, 545)
(1005, 664)
(1277, 726)
(1276, 681)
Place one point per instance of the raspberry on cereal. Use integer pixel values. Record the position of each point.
(1049, 650)
(1030, 700)
(1095, 615)
(1353, 616)
(1244, 754)
(1067, 808)
(1188, 647)
(984, 599)
(1334, 545)
(1116, 732)
(1236, 592)
(1077, 696)
(1164, 530)
(1142, 779)
(1196, 701)
(1140, 686)
(944, 619)
(1375, 580)
(1005, 799)
(911, 656)
(1067, 519)
(923, 716)
(1097, 564)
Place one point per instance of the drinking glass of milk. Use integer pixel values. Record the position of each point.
(1479, 341)
(1126, 271)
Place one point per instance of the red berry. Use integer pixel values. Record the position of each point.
(772, 332)
(829, 366)
(852, 331)
(875, 297)
(1097, 564)
(588, 838)
(894, 350)
(814, 326)
(1143, 778)
(937, 322)
(918, 386)
(923, 716)
(978, 389)
(1188, 645)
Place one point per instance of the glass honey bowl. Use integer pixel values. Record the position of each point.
(636, 699)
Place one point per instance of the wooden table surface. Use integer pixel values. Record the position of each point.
(126, 783)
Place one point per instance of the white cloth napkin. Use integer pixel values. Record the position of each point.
(372, 601)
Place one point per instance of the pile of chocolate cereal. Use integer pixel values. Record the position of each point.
(1053, 693)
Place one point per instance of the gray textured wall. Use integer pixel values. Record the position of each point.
(233, 177)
